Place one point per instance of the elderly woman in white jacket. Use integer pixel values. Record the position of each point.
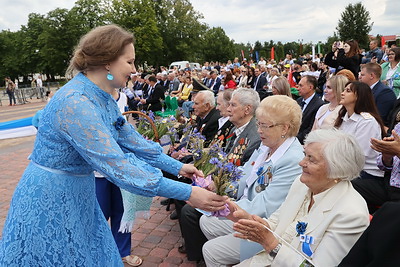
(322, 216)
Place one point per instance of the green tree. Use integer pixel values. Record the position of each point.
(219, 46)
(355, 24)
(88, 14)
(181, 30)
(56, 43)
(139, 16)
(30, 43)
(10, 48)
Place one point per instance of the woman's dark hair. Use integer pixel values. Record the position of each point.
(354, 48)
(364, 103)
(228, 77)
(314, 66)
(396, 51)
(251, 69)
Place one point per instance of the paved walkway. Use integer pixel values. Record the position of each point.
(155, 240)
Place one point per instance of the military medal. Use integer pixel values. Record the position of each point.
(262, 183)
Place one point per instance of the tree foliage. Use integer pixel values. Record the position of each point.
(219, 46)
(165, 31)
(355, 24)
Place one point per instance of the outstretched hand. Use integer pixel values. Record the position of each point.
(237, 213)
(254, 229)
(188, 170)
(206, 200)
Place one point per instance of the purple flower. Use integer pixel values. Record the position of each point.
(119, 123)
(214, 161)
(230, 167)
(151, 115)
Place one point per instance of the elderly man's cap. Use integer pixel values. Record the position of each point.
(199, 86)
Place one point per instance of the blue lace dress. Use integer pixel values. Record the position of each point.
(54, 218)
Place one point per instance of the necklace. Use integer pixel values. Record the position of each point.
(331, 109)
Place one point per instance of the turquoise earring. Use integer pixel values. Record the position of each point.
(110, 77)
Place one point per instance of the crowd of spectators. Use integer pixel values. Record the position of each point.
(344, 97)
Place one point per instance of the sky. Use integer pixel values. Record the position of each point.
(246, 20)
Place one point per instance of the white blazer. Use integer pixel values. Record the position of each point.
(335, 223)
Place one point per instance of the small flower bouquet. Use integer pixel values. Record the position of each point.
(216, 167)
(164, 126)
(226, 175)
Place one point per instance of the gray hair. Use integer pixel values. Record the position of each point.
(208, 97)
(248, 97)
(343, 154)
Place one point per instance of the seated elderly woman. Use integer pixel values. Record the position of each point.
(268, 176)
(322, 216)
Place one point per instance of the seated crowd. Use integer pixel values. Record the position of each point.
(318, 142)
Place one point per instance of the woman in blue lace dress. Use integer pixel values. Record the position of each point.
(54, 218)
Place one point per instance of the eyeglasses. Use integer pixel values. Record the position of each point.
(263, 126)
(391, 54)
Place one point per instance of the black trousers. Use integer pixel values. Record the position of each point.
(376, 191)
(379, 245)
(189, 222)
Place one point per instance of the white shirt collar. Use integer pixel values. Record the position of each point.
(308, 99)
(239, 130)
(221, 121)
(354, 117)
(373, 85)
(281, 150)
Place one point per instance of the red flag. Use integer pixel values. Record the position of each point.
(383, 41)
(242, 54)
(272, 53)
(291, 80)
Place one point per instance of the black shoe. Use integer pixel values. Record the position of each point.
(174, 215)
(165, 202)
(182, 248)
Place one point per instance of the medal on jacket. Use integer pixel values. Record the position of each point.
(264, 178)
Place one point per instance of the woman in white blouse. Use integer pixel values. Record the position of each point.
(327, 114)
(359, 117)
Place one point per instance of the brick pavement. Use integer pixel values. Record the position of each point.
(156, 240)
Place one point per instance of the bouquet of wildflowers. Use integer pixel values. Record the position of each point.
(165, 127)
(227, 175)
(216, 167)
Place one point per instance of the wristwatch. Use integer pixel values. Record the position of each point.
(275, 251)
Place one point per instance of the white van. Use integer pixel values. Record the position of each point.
(178, 64)
(182, 65)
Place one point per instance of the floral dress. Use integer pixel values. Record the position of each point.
(54, 218)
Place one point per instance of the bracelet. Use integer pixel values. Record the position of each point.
(275, 251)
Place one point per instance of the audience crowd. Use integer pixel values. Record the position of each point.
(317, 140)
(334, 105)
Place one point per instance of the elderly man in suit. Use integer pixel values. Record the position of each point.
(173, 82)
(207, 115)
(309, 103)
(383, 95)
(242, 141)
(155, 94)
